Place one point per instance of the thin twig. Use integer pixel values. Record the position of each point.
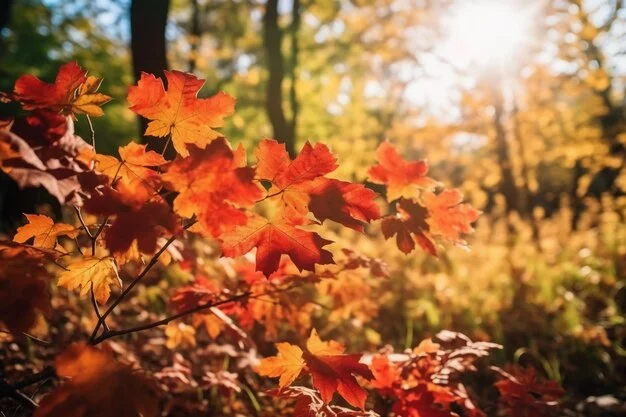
(132, 285)
(97, 309)
(94, 240)
(37, 340)
(82, 222)
(206, 306)
(93, 133)
(6, 390)
(47, 373)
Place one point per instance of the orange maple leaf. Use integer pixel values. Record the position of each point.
(98, 386)
(274, 239)
(178, 112)
(72, 92)
(44, 231)
(290, 180)
(300, 185)
(449, 217)
(132, 172)
(402, 178)
(213, 185)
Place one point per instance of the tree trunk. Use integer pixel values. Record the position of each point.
(148, 20)
(195, 35)
(272, 38)
(5, 13)
(507, 182)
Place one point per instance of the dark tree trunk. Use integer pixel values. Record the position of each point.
(507, 182)
(5, 13)
(273, 37)
(195, 35)
(148, 20)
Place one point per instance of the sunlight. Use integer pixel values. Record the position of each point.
(487, 33)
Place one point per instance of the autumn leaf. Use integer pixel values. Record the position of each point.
(408, 226)
(57, 166)
(309, 404)
(200, 292)
(290, 180)
(98, 386)
(449, 217)
(178, 112)
(402, 178)
(132, 171)
(101, 274)
(287, 365)
(24, 283)
(212, 184)
(44, 231)
(274, 239)
(346, 203)
(386, 373)
(180, 334)
(331, 369)
(134, 226)
(524, 394)
(72, 92)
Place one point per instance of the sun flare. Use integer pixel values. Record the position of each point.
(488, 32)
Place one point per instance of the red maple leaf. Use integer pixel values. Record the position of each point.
(274, 239)
(524, 394)
(409, 225)
(449, 217)
(347, 203)
(178, 112)
(143, 223)
(72, 92)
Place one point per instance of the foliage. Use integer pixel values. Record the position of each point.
(144, 212)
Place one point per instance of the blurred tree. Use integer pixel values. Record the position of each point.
(148, 21)
(284, 129)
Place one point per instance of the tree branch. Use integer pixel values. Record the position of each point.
(132, 285)
(206, 306)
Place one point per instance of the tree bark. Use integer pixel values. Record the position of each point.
(272, 38)
(195, 36)
(148, 21)
(5, 13)
(507, 182)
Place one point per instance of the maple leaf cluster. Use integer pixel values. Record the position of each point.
(426, 381)
(138, 205)
(524, 394)
(422, 215)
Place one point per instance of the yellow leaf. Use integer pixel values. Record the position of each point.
(44, 230)
(319, 348)
(287, 364)
(88, 272)
(180, 334)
